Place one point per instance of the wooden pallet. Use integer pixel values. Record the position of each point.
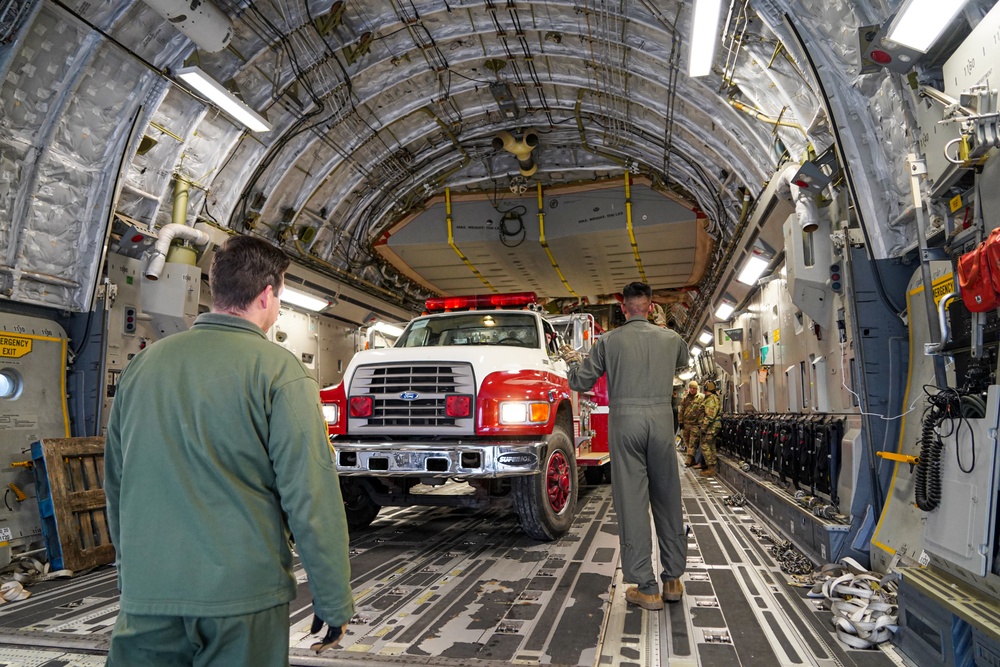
(72, 502)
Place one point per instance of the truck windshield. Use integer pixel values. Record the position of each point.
(510, 328)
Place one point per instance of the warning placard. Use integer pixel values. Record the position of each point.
(14, 346)
(942, 286)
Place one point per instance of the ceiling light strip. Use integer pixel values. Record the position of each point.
(451, 241)
(223, 99)
(541, 239)
(704, 36)
(631, 232)
(919, 23)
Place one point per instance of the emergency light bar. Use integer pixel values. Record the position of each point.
(480, 301)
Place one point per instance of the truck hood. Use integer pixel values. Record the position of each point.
(484, 358)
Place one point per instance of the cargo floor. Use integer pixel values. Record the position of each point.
(457, 587)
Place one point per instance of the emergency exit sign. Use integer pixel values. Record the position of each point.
(14, 346)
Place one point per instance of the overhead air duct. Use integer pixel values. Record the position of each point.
(520, 148)
(805, 206)
(200, 21)
(167, 235)
(175, 230)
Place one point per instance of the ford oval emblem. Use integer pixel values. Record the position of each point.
(517, 459)
(409, 395)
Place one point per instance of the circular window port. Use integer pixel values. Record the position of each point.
(11, 384)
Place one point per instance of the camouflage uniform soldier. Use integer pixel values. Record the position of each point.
(710, 425)
(692, 391)
(694, 413)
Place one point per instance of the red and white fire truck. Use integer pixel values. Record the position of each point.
(475, 392)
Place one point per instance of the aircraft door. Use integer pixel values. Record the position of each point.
(32, 406)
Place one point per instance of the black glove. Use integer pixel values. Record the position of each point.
(330, 639)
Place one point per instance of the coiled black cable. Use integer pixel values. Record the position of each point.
(945, 404)
(927, 487)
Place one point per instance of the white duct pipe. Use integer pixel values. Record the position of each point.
(520, 148)
(199, 20)
(163, 240)
(805, 206)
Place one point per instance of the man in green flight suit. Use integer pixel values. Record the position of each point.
(710, 425)
(217, 452)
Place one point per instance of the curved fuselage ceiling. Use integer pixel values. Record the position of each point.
(380, 110)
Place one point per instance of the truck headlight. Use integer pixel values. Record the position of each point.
(524, 412)
(331, 413)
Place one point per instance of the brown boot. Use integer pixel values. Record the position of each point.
(709, 471)
(651, 602)
(673, 590)
(689, 462)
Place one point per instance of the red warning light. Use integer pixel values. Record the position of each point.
(361, 406)
(457, 405)
(881, 57)
(481, 301)
(137, 238)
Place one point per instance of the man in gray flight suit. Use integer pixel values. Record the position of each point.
(640, 360)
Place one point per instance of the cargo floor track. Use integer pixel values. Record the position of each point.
(457, 587)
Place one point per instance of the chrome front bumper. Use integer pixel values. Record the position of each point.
(462, 460)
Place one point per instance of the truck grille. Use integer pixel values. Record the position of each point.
(424, 386)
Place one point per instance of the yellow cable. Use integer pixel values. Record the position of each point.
(631, 233)
(451, 241)
(541, 234)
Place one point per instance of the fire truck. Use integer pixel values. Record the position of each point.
(472, 392)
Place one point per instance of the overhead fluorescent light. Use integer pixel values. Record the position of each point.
(387, 329)
(724, 311)
(919, 23)
(704, 36)
(752, 271)
(303, 300)
(686, 375)
(695, 350)
(705, 338)
(222, 98)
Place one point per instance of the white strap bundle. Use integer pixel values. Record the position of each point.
(26, 572)
(863, 605)
(29, 570)
(12, 591)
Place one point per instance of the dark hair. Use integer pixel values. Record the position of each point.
(637, 289)
(633, 297)
(242, 268)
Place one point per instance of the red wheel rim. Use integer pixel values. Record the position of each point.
(557, 481)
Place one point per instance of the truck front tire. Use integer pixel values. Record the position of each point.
(546, 502)
(361, 510)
